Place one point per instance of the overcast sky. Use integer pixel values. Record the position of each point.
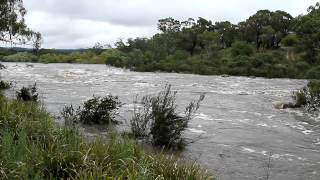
(82, 23)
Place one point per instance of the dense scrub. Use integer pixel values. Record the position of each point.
(33, 147)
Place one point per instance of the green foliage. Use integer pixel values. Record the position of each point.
(290, 40)
(94, 111)
(159, 120)
(33, 147)
(309, 96)
(114, 57)
(314, 73)
(28, 93)
(21, 57)
(307, 29)
(5, 85)
(12, 23)
(241, 48)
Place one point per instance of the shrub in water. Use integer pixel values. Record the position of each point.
(28, 93)
(159, 121)
(2, 66)
(4, 85)
(309, 96)
(94, 111)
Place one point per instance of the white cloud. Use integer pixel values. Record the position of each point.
(81, 23)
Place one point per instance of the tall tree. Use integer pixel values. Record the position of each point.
(12, 25)
(227, 33)
(37, 42)
(308, 29)
(169, 25)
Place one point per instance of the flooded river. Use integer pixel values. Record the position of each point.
(238, 133)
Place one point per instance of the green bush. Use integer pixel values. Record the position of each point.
(241, 48)
(159, 121)
(28, 93)
(4, 85)
(314, 73)
(290, 40)
(21, 57)
(309, 96)
(94, 111)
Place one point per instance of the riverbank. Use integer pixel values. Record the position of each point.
(267, 63)
(32, 146)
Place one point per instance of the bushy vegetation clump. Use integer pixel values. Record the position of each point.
(28, 93)
(33, 147)
(98, 110)
(5, 85)
(2, 66)
(309, 96)
(159, 121)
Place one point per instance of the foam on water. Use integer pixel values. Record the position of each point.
(197, 131)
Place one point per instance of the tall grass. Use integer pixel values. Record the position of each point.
(33, 147)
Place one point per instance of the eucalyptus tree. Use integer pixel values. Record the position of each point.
(227, 32)
(308, 29)
(12, 23)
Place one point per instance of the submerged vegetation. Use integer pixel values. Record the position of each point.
(28, 93)
(33, 147)
(308, 97)
(94, 111)
(4, 85)
(158, 120)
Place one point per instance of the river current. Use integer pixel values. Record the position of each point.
(237, 132)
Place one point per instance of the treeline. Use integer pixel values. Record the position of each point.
(267, 44)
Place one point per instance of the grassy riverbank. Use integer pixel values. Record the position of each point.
(32, 146)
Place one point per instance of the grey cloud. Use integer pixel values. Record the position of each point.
(81, 23)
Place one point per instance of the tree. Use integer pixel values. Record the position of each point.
(98, 48)
(307, 29)
(12, 25)
(37, 42)
(267, 37)
(169, 25)
(227, 33)
(257, 22)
